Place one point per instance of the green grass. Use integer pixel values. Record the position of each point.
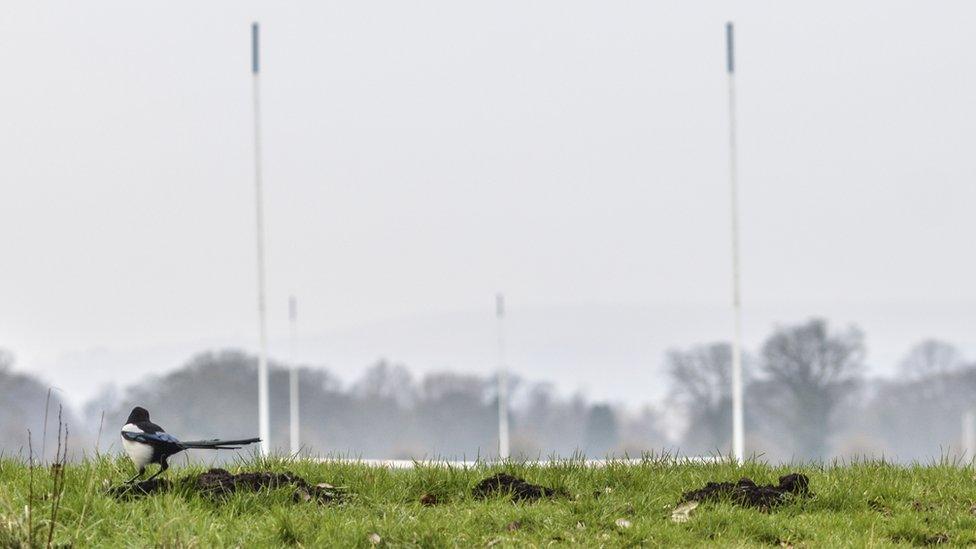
(858, 504)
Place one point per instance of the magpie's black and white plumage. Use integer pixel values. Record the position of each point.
(146, 443)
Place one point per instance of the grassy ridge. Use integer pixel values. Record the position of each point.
(860, 504)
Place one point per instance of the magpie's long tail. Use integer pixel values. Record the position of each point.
(217, 444)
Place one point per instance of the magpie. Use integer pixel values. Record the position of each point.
(146, 443)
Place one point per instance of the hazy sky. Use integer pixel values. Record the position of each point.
(420, 156)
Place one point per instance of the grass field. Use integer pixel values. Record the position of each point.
(859, 504)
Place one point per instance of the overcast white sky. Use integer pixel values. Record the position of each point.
(421, 156)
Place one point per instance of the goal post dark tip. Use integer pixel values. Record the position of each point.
(730, 47)
(254, 48)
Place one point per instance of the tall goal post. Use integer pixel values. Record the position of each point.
(264, 423)
(738, 447)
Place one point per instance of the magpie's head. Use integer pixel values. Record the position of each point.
(138, 414)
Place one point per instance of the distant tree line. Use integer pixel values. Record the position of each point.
(806, 397)
(387, 412)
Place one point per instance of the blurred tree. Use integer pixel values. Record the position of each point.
(919, 417)
(641, 433)
(385, 381)
(929, 357)
(602, 433)
(455, 417)
(701, 385)
(105, 401)
(548, 423)
(22, 401)
(808, 372)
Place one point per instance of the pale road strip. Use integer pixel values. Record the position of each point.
(463, 464)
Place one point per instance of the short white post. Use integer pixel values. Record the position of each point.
(293, 424)
(969, 434)
(502, 380)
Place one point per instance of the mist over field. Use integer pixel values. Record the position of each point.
(808, 397)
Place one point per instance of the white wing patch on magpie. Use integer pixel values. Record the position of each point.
(149, 438)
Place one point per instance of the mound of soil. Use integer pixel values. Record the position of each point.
(429, 500)
(747, 493)
(216, 483)
(503, 483)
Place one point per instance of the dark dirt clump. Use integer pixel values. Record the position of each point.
(503, 483)
(216, 483)
(747, 493)
(429, 500)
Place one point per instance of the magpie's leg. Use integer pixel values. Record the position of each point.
(139, 474)
(163, 465)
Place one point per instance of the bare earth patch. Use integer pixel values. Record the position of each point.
(747, 493)
(504, 483)
(217, 483)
